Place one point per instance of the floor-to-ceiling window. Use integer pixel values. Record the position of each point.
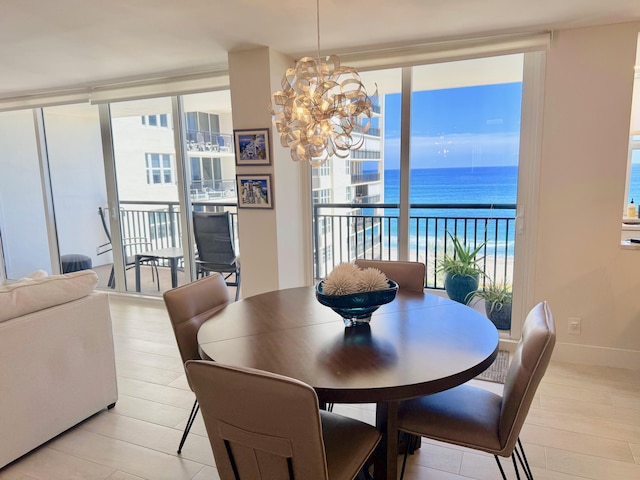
(74, 148)
(64, 165)
(25, 240)
(451, 136)
(465, 150)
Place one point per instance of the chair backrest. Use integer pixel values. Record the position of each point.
(103, 218)
(528, 365)
(261, 426)
(212, 232)
(408, 275)
(190, 305)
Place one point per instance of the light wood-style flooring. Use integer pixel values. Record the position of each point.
(584, 423)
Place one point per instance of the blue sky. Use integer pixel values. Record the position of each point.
(458, 127)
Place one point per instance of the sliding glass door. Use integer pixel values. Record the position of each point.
(23, 218)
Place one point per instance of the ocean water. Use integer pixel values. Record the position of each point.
(490, 185)
(477, 185)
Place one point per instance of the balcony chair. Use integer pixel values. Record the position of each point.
(216, 250)
(264, 426)
(131, 245)
(222, 146)
(408, 275)
(188, 307)
(476, 418)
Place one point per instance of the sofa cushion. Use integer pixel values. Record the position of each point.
(37, 292)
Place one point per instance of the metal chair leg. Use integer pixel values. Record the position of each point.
(192, 417)
(411, 446)
(504, 477)
(237, 285)
(523, 461)
(515, 466)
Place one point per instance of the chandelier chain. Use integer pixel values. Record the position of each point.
(323, 109)
(318, 24)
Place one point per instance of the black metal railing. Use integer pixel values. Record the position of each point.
(159, 222)
(344, 232)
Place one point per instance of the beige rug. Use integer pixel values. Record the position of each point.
(497, 372)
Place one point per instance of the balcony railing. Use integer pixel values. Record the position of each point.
(212, 189)
(159, 222)
(365, 177)
(347, 231)
(207, 141)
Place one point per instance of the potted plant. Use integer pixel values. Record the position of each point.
(462, 270)
(497, 298)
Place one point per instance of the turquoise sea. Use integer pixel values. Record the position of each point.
(456, 185)
(477, 185)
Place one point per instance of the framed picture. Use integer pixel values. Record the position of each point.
(254, 191)
(252, 147)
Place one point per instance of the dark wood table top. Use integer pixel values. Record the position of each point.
(416, 345)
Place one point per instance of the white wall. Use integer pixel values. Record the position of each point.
(580, 268)
(275, 243)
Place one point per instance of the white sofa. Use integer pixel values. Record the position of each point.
(57, 363)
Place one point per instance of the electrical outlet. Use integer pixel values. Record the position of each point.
(575, 325)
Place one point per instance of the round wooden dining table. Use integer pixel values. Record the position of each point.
(416, 345)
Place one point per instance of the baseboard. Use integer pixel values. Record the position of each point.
(588, 354)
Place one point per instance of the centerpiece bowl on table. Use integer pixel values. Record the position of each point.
(355, 293)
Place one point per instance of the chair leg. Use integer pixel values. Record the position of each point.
(523, 461)
(237, 285)
(411, 446)
(154, 266)
(112, 281)
(192, 417)
(504, 477)
(515, 466)
(404, 463)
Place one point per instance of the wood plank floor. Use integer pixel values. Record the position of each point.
(584, 424)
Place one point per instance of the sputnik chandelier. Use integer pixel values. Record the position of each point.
(323, 108)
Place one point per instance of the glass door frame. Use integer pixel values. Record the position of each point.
(528, 180)
(113, 201)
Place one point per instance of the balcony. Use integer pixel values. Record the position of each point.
(209, 142)
(224, 189)
(344, 232)
(365, 177)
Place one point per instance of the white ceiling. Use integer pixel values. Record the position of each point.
(64, 44)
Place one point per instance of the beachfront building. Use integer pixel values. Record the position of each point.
(353, 181)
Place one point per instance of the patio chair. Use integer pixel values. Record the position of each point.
(475, 418)
(189, 306)
(216, 250)
(264, 426)
(222, 146)
(131, 245)
(408, 275)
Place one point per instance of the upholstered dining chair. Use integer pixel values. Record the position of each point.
(408, 275)
(476, 418)
(189, 306)
(264, 426)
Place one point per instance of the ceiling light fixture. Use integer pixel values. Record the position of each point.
(323, 108)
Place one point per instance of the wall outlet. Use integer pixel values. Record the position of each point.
(575, 325)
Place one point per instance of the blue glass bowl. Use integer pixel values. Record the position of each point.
(357, 308)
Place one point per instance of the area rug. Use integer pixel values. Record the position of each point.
(497, 372)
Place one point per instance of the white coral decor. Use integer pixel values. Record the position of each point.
(348, 278)
(371, 279)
